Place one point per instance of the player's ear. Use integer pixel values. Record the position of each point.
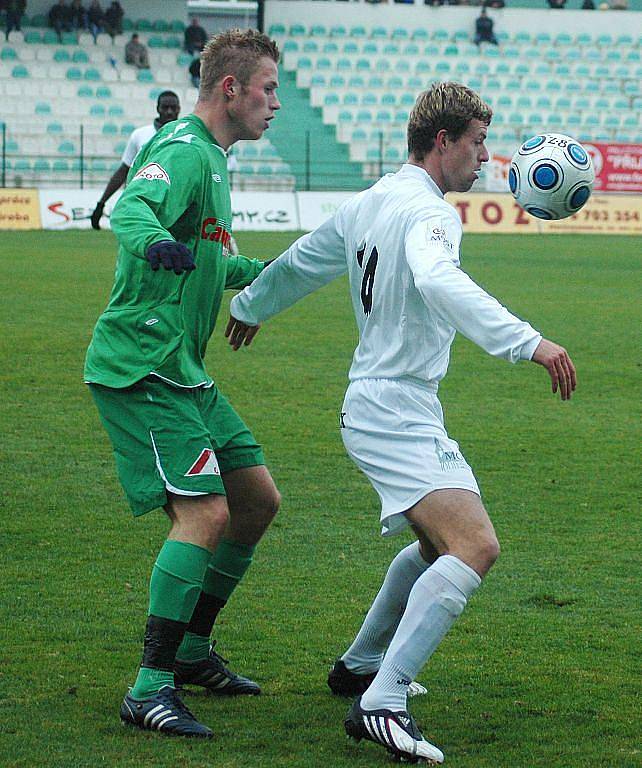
(441, 139)
(230, 86)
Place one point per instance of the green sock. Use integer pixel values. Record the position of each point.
(174, 588)
(226, 568)
(150, 681)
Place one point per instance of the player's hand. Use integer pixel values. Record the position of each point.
(239, 333)
(171, 255)
(559, 366)
(95, 216)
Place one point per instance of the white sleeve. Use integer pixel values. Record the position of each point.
(310, 263)
(131, 149)
(432, 252)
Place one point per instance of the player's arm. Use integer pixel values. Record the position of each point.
(152, 202)
(115, 183)
(432, 247)
(310, 263)
(241, 271)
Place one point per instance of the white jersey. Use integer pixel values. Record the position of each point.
(136, 141)
(399, 243)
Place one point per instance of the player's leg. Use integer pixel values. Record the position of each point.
(253, 501)
(455, 523)
(158, 439)
(356, 669)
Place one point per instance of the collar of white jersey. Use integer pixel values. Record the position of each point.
(407, 169)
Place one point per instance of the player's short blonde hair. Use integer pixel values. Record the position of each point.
(234, 52)
(449, 106)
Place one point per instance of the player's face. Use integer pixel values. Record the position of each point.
(254, 107)
(464, 157)
(168, 109)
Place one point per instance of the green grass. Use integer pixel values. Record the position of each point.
(541, 668)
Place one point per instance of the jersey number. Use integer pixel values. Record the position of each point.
(367, 284)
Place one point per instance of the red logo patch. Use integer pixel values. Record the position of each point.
(206, 464)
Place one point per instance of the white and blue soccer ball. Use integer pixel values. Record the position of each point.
(551, 176)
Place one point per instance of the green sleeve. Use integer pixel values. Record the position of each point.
(156, 196)
(241, 271)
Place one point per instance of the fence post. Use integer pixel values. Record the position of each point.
(4, 154)
(307, 161)
(82, 156)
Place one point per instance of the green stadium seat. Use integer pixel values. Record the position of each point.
(451, 50)
(330, 99)
(562, 39)
(104, 92)
(338, 31)
(127, 128)
(11, 146)
(502, 68)
(66, 148)
(440, 35)
(400, 33)
(156, 41)
(54, 128)
(579, 103)
(176, 25)
(358, 31)
(604, 40)
(410, 49)
(33, 37)
(184, 59)
(41, 165)
(388, 100)
(42, 108)
(61, 165)
(277, 30)
(633, 56)
(350, 48)
(310, 46)
(379, 33)
(584, 38)
(369, 99)
(68, 38)
(362, 65)
(543, 38)
(364, 116)
(524, 102)
(394, 83)
(173, 42)
(391, 49)
(250, 151)
(144, 25)
(20, 71)
(613, 55)
(160, 25)
(109, 129)
(74, 73)
(504, 101)
(97, 110)
(98, 165)
(319, 81)
(522, 38)
(344, 117)
(403, 66)
(573, 120)
(85, 91)
(22, 165)
(545, 103)
(38, 20)
(401, 116)
(318, 30)
(145, 76)
(80, 57)
(49, 37)
(358, 134)
(419, 35)
(8, 54)
(572, 54)
(330, 47)
(324, 64)
(382, 65)
(92, 74)
(297, 30)
(115, 110)
(356, 81)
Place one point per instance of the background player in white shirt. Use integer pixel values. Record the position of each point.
(168, 107)
(399, 242)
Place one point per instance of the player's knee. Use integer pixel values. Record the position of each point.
(270, 504)
(487, 552)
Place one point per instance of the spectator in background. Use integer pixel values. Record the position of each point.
(494, 4)
(15, 11)
(588, 5)
(484, 29)
(556, 3)
(60, 18)
(195, 37)
(95, 19)
(620, 5)
(114, 19)
(195, 72)
(136, 53)
(78, 15)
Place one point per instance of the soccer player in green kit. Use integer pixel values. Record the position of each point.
(177, 441)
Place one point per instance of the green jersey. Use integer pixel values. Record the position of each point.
(159, 322)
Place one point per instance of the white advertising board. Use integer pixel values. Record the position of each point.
(72, 208)
(316, 207)
(264, 211)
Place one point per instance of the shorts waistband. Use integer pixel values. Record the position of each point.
(425, 384)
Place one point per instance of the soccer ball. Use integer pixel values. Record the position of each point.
(551, 176)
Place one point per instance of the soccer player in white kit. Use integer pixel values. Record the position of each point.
(399, 243)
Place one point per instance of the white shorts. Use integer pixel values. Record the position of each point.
(394, 432)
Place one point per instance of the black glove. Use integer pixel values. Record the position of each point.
(171, 255)
(95, 216)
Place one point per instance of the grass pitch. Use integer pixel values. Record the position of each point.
(541, 668)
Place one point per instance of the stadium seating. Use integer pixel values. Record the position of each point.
(72, 83)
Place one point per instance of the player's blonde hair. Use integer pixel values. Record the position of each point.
(449, 106)
(234, 52)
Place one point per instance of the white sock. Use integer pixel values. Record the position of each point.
(367, 650)
(437, 598)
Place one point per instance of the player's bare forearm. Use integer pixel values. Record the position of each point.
(239, 333)
(559, 365)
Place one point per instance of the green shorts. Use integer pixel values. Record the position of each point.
(171, 439)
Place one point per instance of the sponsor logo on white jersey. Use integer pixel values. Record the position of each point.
(439, 234)
(153, 172)
(206, 464)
